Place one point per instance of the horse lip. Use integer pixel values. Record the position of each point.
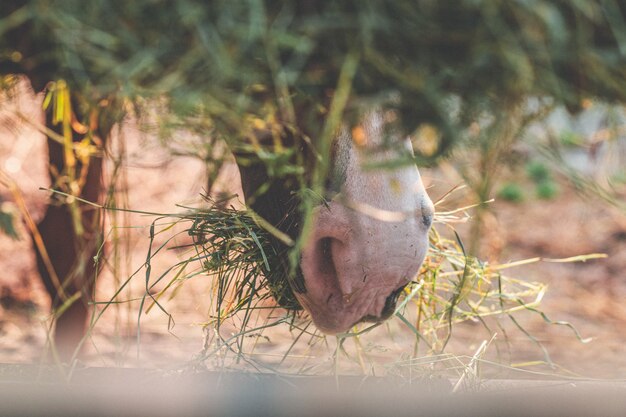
(388, 308)
(390, 303)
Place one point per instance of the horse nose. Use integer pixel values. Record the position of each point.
(333, 257)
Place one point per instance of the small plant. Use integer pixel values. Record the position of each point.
(538, 172)
(547, 189)
(511, 192)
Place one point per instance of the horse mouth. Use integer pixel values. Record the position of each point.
(388, 309)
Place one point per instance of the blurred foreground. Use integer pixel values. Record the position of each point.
(105, 392)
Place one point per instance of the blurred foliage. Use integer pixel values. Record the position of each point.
(620, 177)
(547, 189)
(223, 64)
(571, 139)
(538, 171)
(511, 192)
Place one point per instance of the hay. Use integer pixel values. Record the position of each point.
(234, 249)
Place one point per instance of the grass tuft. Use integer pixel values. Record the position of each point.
(236, 252)
(511, 192)
(232, 248)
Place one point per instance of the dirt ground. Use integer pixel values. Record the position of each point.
(590, 295)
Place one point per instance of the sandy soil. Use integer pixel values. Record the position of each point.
(589, 295)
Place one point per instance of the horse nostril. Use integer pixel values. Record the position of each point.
(428, 212)
(390, 303)
(427, 220)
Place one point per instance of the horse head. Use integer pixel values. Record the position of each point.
(366, 240)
